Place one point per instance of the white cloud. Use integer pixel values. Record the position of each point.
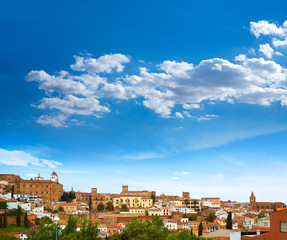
(51, 163)
(191, 106)
(207, 117)
(266, 50)
(278, 43)
(73, 105)
(240, 57)
(55, 121)
(70, 171)
(176, 69)
(105, 63)
(182, 173)
(178, 115)
(21, 158)
(265, 28)
(181, 84)
(31, 175)
(141, 156)
(271, 29)
(175, 178)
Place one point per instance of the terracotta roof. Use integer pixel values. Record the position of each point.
(260, 229)
(67, 204)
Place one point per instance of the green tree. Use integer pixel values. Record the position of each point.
(49, 209)
(192, 218)
(18, 216)
(200, 228)
(26, 224)
(185, 215)
(183, 235)
(90, 204)
(144, 230)
(1, 222)
(65, 197)
(210, 217)
(46, 220)
(3, 205)
(12, 191)
(5, 219)
(61, 209)
(5, 236)
(101, 207)
(71, 226)
(261, 215)
(191, 232)
(194, 202)
(124, 206)
(153, 198)
(186, 202)
(109, 206)
(46, 231)
(229, 221)
(89, 230)
(71, 196)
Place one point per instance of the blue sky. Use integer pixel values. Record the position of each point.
(169, 96)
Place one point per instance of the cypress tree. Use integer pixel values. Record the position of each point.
(229, 221)
(5, 220)
(1, 222)
(200, 228)
(26, 224)
(18, 217)
(191, 233)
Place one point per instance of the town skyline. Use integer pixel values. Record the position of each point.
(162, 96)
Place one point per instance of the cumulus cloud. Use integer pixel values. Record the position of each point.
(55, 121)
(73, 105)
(279, 33)
(21, 158)
(181, 85)
(105, 63)
(266, 50)
(266, 28)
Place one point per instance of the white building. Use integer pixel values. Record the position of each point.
(170, 225)
(181, 209)
(13, 204)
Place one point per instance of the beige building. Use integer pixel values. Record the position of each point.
(69, 208)
(48, 190)
(131, 201)
(153, 211)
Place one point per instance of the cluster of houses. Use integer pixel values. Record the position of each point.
(178, 212)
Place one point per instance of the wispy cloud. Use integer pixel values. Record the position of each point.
(71, 171)
(21, 158)
(141, 156)
(175, 178)
(182, 173)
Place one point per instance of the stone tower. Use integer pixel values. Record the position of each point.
(54, 177)
(252, 202)
(125, 188)
(185, 195)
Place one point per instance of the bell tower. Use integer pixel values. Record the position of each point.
(252, 202)
(54, 177)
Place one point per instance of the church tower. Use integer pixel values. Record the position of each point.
(252, 202)
(54, 177)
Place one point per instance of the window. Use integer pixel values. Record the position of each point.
(283, 227)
